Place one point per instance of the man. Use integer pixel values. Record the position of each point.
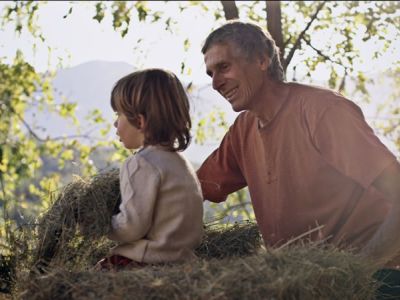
(306, 153)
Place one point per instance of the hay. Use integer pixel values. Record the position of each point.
(307, 272)
(231, 263)
(241, 239)
(82, 214)
(87, 204)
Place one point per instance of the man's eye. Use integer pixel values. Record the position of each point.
(224, 67)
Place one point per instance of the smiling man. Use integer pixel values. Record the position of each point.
(306, 153)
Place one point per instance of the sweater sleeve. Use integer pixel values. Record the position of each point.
(220, 174)
(139, 184)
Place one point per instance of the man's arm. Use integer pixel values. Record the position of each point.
(385, 244)
(220, 175)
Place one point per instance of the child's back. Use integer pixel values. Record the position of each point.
(167, 208)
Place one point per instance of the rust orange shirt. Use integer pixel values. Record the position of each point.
(312, 165)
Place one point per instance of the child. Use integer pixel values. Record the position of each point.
(161, 210)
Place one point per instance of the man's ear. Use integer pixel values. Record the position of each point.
(264, 62)
(141, 122)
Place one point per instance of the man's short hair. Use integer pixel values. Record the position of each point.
(251, 40)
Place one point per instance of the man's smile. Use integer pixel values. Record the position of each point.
(229, 95)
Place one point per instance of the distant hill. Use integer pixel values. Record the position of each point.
(90, 84)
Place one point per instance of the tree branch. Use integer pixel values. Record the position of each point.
(326, 57)
(230, 9)
(27, 126)
(343, 82)
(274, 25)
(300, 37)
(285, 43)
(33, 133)
(320, 53)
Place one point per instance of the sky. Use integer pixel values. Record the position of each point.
(78, 39)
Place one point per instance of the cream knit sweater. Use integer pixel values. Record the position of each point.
(161, 211)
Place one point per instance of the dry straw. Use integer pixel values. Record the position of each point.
(231, 263)
(84, 204)
(290, 273)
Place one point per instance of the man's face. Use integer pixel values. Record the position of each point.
(237, 79)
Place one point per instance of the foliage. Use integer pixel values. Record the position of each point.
(19, 152)
(339, 34)
(27, 182)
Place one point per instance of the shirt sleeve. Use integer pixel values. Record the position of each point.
(349, 144)
(220, 174)
(139, 184)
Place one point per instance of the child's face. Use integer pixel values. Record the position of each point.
(129, 135)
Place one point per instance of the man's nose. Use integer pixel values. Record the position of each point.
(217, 82)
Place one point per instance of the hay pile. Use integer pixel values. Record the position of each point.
(231, 263)
(84, 204)
(291, 273)
(82, 213)
(241, 239)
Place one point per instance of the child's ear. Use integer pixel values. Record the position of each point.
(141, 122)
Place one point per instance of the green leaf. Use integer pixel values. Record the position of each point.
(99, 16)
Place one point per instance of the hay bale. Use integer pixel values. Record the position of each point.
(87, 204)
(241, 239)
(297, 272)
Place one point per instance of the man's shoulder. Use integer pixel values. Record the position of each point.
(315, 101)
(313, 93)
(245, 118)
(243, 129)
(312, 98)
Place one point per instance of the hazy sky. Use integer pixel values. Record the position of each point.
(78, 38)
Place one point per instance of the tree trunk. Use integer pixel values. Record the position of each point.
(230, 9)
(274, 25)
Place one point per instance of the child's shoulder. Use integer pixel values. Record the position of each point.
(154, 153)
(168, 166)
(163, 159)
(144, 158)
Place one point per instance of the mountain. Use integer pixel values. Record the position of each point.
(90, 84)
